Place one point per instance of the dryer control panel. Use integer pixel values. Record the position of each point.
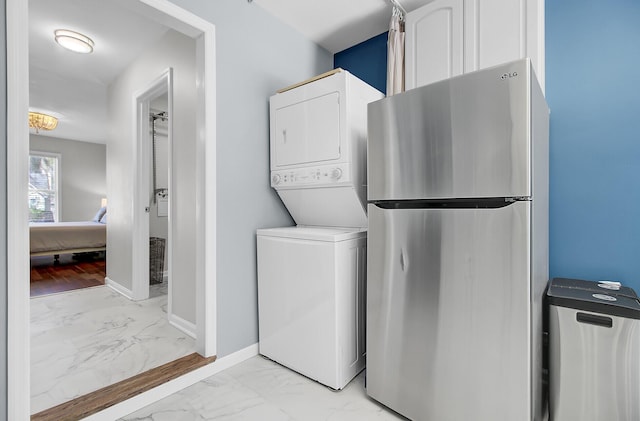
(311, 176)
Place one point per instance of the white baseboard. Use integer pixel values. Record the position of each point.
(183, 325)
(147, 398)
(118, 288)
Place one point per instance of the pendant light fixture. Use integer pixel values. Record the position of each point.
(74, 41)
(40, 121)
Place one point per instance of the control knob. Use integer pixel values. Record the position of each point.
(336, 173)
(275, 178)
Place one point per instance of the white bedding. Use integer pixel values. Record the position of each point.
(66, 237)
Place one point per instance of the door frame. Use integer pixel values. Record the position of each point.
(18, 317)
(142, 195)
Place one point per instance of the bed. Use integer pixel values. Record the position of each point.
(56, 238)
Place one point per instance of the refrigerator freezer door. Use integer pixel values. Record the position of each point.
(448, 312)
(466, 137)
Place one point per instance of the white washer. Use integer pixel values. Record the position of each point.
(311, 300)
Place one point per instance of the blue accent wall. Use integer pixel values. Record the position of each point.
(593, 91)
(367, 61)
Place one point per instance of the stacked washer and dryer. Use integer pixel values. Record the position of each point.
(311, 277)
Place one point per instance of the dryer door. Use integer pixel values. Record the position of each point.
(308, 131)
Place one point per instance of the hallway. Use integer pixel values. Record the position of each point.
(86, 339)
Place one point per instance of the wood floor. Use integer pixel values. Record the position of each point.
(106, 397)
(71, 273)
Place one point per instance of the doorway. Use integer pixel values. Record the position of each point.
(153, 188)
(203, 32)
(160, 228)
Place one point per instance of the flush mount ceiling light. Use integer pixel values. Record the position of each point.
(74, 41)
(40, 121)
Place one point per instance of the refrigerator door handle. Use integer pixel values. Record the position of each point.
(404, 263)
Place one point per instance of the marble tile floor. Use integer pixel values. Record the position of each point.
(86, 339)
(261, 390)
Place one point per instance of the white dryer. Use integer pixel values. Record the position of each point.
(311, 301)
(319, 149)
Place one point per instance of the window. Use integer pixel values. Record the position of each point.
(43, 187)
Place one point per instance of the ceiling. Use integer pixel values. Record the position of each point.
(73, 86)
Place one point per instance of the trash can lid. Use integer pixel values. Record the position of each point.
(603, 302)
(606, 286)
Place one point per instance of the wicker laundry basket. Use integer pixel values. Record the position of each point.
(156, 260)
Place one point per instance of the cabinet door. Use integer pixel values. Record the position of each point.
(448, 37)
(434, 43)
(499, 31)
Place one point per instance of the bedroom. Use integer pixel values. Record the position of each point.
(68, 209)
(77, 171)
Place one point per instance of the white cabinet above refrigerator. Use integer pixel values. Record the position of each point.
(446, 38)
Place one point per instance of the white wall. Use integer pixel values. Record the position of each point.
(256, 55)
(178, 52)
(3, 218)
(83, 179)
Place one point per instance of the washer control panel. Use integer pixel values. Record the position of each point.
(311, 176)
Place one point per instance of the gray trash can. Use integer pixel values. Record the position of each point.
(594, 351)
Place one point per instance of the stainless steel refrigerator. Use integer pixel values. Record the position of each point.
(457, 253)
